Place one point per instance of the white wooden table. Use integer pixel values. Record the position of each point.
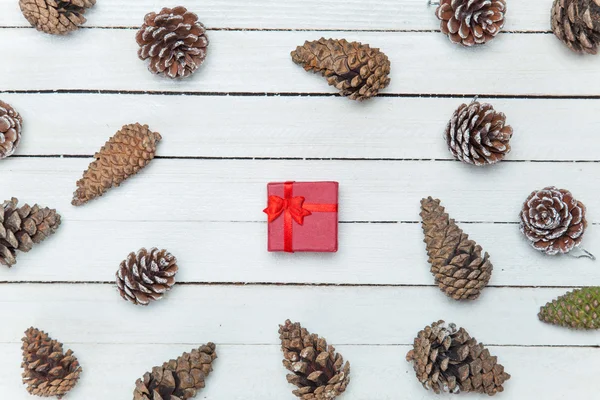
(251, 116)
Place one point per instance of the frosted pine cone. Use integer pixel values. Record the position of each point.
(56, 17)
(174, 41)
(553, 220)
(478, 135)
(356, 69)
(577, 24)
(146, 276)
(10, 130)
(471, 22)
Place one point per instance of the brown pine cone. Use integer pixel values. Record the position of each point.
(577, 24)
(356, 69)
(47, 369)
(174, 41)
(10, 130)
(471, 22)
(179, 379)
(146, 276)
(317, 370)
(478, 135)
(124, 155)
(553, 220)
(449, 360)
(459, 265)
(22, 227)
(56, 17)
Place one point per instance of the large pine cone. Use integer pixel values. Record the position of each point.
(449, 360)
(174, 41)
(10, 130)
(21, 227)
(478, 135)
(124, 155)
(317, 370)
(47, 369)
(459, 265)
(577, 24)
(146, 276)
(578, 309)
(356, 69)
(179, 379)
(56, 17)
(471, 22)
(553, 220)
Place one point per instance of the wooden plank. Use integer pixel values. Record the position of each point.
(235, 190)
(533, 15)
(236, 252)
(356, 315)
(319, 127)
(259, 62)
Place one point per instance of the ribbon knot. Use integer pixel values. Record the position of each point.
(294, 206)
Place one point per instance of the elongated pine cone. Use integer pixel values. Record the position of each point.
(56, 17)
(577, 24)
(478, 135)
(10, 130)
(22, 227)
(447, 359)
(578, 309)
(174, 41)
(124, 155)
(355, 69)
(146, 276)
(460, 266)
(47, 369)
(471, 22)
(179, 379)
(553, 221)
(317, 370)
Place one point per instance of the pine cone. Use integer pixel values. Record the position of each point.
(457, 263)
(471, 22)
(449, 360)
(356, 69)
(146, 276)
(553, 220)
(174, 41)
(179, 379)
(478, 135)
(10, 130)
(125, 154)
(577, 24)
(21, 227)
(47, 369)
(56, 17)
(578, 309)
(317, 370)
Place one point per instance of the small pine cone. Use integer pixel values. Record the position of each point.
(459, 265)
(22, 227)
(553, 221)
(578, 309)
(146, 276)
(124, 155)
(47, 369)
(317, 370)
(356, 69)
(11, 125)
(478, 135)
(577, 24)
(56, 17)
(179, 379)
(471, 22)
(174, 41)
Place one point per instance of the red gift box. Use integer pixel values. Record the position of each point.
(303, 216)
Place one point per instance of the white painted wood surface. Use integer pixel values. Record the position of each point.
(250, 116)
